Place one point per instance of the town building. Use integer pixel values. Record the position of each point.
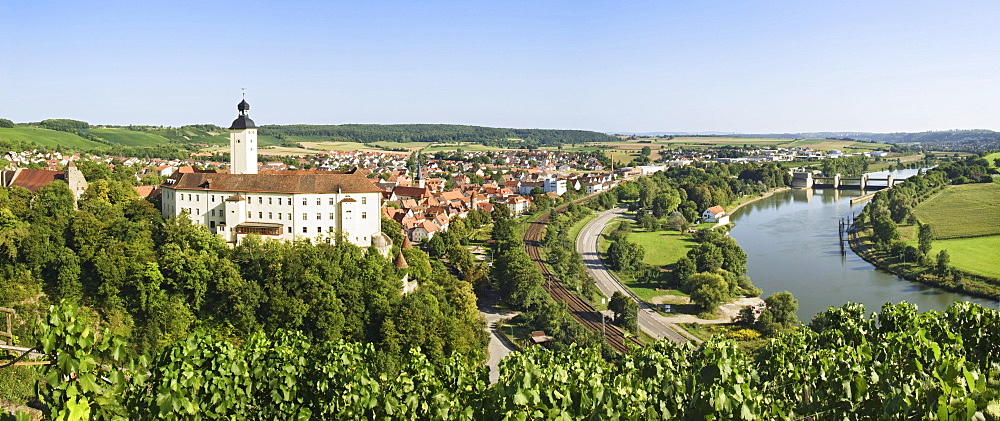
(281, 205)
(35, 179)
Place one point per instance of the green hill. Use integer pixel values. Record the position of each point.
(23, 137)
(129, 137)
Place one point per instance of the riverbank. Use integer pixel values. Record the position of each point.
(770, 193)
(966, 283)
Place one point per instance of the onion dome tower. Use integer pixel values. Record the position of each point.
(243, 142)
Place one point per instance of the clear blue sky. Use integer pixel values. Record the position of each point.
(733, 66)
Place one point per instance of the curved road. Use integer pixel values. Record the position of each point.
(650, 321)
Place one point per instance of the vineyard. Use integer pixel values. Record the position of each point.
(895, 364)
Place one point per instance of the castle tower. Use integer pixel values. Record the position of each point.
(243, 142)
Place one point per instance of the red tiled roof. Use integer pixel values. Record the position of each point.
(35, 179)
(276, 182)
(716, 210)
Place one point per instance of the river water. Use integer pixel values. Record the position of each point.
(792, 245)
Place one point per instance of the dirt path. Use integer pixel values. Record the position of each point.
(725, 314)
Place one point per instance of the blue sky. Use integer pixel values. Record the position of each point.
(731, 66)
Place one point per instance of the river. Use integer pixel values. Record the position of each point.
(792, 245)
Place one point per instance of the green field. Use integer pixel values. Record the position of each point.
(967, 210)
(976, 255)
(991, 158)
(47, 138)
(662, 247)
(129, 137)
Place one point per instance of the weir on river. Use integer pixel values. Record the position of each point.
(792, 244)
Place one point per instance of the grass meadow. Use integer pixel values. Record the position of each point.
(662, 247)
(976, 255)
(991, 158)
(967, 210)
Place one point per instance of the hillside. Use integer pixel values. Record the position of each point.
(22, 137)
(975, 140)
(86, 137)
(433, 133)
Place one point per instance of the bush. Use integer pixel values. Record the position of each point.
(6, 124)
(743, 335)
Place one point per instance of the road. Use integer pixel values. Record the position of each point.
(499, 347)
(650, 321)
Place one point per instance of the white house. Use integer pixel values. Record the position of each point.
(715, 214)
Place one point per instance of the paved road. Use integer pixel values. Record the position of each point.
(499, 347)
(649, 321)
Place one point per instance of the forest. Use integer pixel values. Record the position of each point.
(438, 133)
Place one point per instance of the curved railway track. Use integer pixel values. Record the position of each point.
(581, 310)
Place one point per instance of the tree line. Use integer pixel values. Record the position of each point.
(437, 133)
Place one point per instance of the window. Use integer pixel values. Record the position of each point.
(270, 200)
(279, 216)
(305, 230)
(197, 211)
(318, 201)
(330, 229)
(332, 202)
(303, 201)
(289, 230)
(197, 198)
(213, 212)
(332, 216)
(319, 216)
(364, 215)
(249, 215)
(213, 198)
(305, 216)
(260, 200)
(279, 201)
(260, 215)
(270, 215)
(289, 216)
(364, 200)
(319, 230)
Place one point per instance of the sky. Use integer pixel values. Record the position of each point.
(610, 66)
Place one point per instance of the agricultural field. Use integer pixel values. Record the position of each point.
(967, 210)
(129, 137)
(972, 254)
(47, 138)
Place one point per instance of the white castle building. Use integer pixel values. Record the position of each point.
(285, 205)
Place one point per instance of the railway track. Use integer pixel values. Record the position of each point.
(581, 310)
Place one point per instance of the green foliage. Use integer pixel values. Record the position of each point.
(925, 235)
(625, 256)
(626, 311)
(6, 124)
(64, 125)
(436, 133)
(708, 290)
(898, 364)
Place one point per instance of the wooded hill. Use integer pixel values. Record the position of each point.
(972, 140)
(80, 136)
